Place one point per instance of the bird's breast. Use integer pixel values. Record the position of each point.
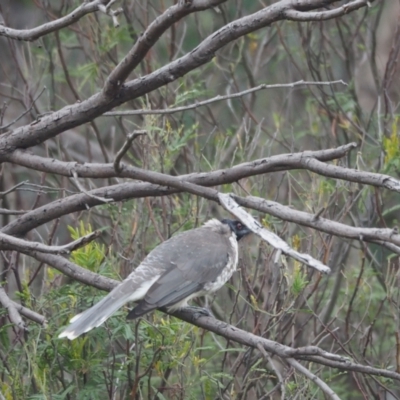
(222, 278)
(228, 270)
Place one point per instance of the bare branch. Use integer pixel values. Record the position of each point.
(352, 175)
(15, 187)
(134, 190)
(9, 305)
(25, 112)
(39, 31)
(275, 241)
(149, 37)
(269, 359)
(83, 190)
(307, 353)
(319, 382)
(131, 137)
(112, 13)
(374, 235)
(5, 211)
(8, 242)
(28, 313)
(73, 271)
(280, 162)
(295, 15)
(221, 98)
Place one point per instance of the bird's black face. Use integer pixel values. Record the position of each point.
(237, 227)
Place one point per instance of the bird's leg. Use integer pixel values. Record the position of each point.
(198, 312)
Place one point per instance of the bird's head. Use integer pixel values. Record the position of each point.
(240, 229)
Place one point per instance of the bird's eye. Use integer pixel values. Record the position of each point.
(239, 226)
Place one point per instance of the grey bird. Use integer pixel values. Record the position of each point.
(189, 264)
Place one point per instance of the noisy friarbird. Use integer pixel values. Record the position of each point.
(189, 264)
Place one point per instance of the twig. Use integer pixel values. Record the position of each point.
(221, 98)
(8, 242)
(5, 211)
(25, 112)
(13, 313)
(3, 111)
(30, 314)
(275, 369)
(296, 15)
(35, 33)
(83, 190)
(111, 13)
(2, 194)
(131, 137)
(275, 241)
(319, 382)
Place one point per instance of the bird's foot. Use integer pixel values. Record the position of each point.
(198, 312)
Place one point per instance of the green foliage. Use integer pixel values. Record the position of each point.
(391, 146)
(89, 256)
(299, 281)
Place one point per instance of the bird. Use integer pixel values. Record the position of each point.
(187, 265)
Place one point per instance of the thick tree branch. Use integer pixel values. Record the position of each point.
(374, 235)
(310, 160)
(149, 37)
(281, 162)
(190, 183)
(77, 114)
(274, 240)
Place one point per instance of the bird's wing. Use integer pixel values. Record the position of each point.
(197, 258)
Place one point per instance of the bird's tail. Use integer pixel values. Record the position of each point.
(127, 291)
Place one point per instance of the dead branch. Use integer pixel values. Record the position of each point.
(11, 308)
(221, 98)
(275, 241)
(8, 242)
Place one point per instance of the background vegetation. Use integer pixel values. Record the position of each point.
(352, 312)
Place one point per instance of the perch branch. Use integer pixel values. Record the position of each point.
(229, 332)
